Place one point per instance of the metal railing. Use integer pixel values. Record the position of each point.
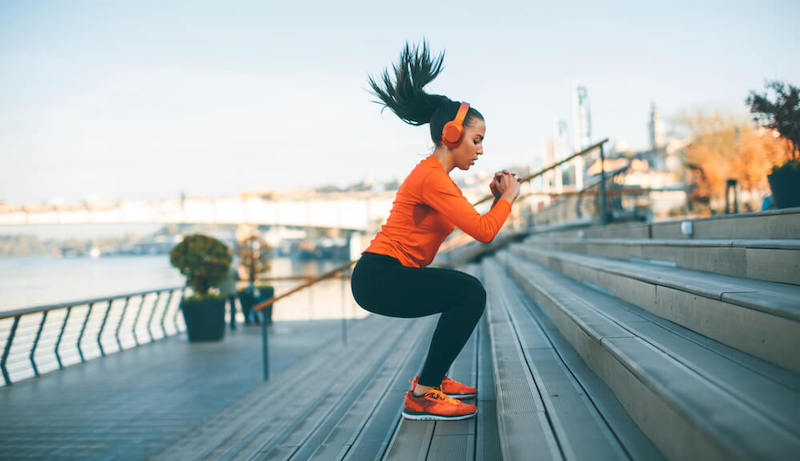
(40, 339)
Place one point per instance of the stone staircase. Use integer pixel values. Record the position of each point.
(701, 355)
(675, 340)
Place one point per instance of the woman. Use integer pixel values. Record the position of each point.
(391, 278)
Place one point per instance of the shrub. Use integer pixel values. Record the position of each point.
(203, 260)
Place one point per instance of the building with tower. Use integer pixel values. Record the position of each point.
(655, 128)
(581, 117)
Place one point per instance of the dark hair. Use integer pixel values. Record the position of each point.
(409, 101)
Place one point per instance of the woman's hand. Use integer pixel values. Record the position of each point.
(494, 186)
(508, 186)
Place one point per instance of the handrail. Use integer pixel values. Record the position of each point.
(615, 191)
(84, 331)
(327, 275)
(286, 278)
(551, 167)
(50, 307)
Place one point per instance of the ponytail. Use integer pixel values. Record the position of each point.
(406, 97)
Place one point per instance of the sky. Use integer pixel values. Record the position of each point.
(151, 99)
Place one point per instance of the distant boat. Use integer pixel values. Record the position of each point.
(94, 252)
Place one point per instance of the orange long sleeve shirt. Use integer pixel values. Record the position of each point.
(426, 209)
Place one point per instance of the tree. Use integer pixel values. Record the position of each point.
(254, 254)
(724, 147)
(781, 113)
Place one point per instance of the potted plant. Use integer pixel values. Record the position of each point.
(205, 262)
(254, 255)
(781, 114)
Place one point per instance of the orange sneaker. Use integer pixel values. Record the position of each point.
(456, 389)
(436, 405)
(452, 388)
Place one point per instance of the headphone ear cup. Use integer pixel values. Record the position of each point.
(451, 134)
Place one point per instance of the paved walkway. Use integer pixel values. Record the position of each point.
(133, 404)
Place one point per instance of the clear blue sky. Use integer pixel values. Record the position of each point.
(148, 99)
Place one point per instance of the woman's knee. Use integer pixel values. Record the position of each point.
(476, 295)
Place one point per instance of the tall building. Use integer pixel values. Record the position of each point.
(561, 149)
(655, 128)
(581, 117)
(582, 126)
(552, 179)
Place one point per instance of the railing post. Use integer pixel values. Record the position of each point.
(264, 345)
(83, 329)
(102, 327)
(136, 318)
(36, 342)
(60, 335)
(164, 314)
(152, 314)
(7, 350)
(603, 205)
(121, 319)
(232, 302)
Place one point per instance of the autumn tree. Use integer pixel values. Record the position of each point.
(778, 108)
(254, 254)
(723, 147)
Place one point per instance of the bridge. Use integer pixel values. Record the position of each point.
(350, 212)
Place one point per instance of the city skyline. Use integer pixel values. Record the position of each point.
(141, 101)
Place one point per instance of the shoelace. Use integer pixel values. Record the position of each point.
(439, 395)
(436, 393)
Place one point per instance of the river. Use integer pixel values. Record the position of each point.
(37, 280)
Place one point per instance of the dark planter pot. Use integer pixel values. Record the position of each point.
(267, 292)
(205, 320)
(249, 299)
(785, 187)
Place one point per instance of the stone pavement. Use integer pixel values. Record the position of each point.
(133, 404)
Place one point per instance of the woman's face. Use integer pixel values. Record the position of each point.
(471, 145)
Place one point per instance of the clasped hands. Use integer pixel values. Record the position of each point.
(505, 185)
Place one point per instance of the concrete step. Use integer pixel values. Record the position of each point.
(773, 224)
(693, 397)
(550, 405)
(776, 260)
(757, 317)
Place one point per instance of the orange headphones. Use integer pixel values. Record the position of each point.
(454, 129)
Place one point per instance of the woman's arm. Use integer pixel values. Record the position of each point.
(440, 193)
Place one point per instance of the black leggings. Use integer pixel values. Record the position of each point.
(382, 285)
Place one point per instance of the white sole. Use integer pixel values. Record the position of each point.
(429, 417)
